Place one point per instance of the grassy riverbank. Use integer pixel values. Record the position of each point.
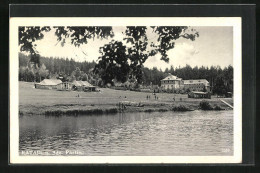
(51, 102)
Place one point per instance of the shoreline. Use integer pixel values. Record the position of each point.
(126, 106)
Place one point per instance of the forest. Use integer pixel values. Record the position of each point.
(221, 79)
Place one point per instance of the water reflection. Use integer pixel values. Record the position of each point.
(168, 133)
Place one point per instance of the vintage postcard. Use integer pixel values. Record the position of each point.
(125, 90)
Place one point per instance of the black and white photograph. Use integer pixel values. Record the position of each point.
(125, 90)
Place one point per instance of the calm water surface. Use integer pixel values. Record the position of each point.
(169, 133)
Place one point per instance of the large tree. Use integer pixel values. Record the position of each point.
(113, 63)
(136, 54)
(141, 49)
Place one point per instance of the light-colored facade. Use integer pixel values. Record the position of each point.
(64, 86)
(172, 82)
(197, 85)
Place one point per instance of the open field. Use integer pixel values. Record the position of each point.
(38, 101)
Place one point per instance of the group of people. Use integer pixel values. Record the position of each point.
(121, 97)
(148, 97)
(174, 99)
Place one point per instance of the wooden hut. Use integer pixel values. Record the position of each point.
(83, 86)
(88, 87)
(48, 84)
(77, 85)
(197, 94)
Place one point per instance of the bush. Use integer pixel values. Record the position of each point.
(148, 110)
(76, 112)
(111, 111)
(218, 108)
(204, 105)
(180, 108)
(162, 110)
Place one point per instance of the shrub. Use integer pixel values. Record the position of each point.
(20, 113)
(148, 110)
(111, 111)
(180, 108)
(218, 108)
(162, 110)
(205, 105)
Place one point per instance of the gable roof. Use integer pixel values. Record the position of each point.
(172, 77)
(50, 82)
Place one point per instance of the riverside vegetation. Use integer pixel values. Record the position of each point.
(54, 103)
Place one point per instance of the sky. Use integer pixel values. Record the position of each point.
(214, 46)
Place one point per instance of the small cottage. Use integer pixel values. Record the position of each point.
(83, 86)
(197, 94)
(48, 84)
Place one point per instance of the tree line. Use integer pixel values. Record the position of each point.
(53, 67)
(220, 79)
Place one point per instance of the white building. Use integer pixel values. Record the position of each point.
(196, 85)
(172, 82)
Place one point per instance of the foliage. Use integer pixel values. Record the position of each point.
(77, 36)
(224, 81)
(27, 37)
(81, 35)
(217, 77)
(42, 72)
(218, 108)
(180, 108)
(113, 63)
(205, 105)
(137, 52)
(53, 67)
(140, 51)
(167, 35)
(26, 74)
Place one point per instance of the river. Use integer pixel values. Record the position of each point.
(196, 133)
